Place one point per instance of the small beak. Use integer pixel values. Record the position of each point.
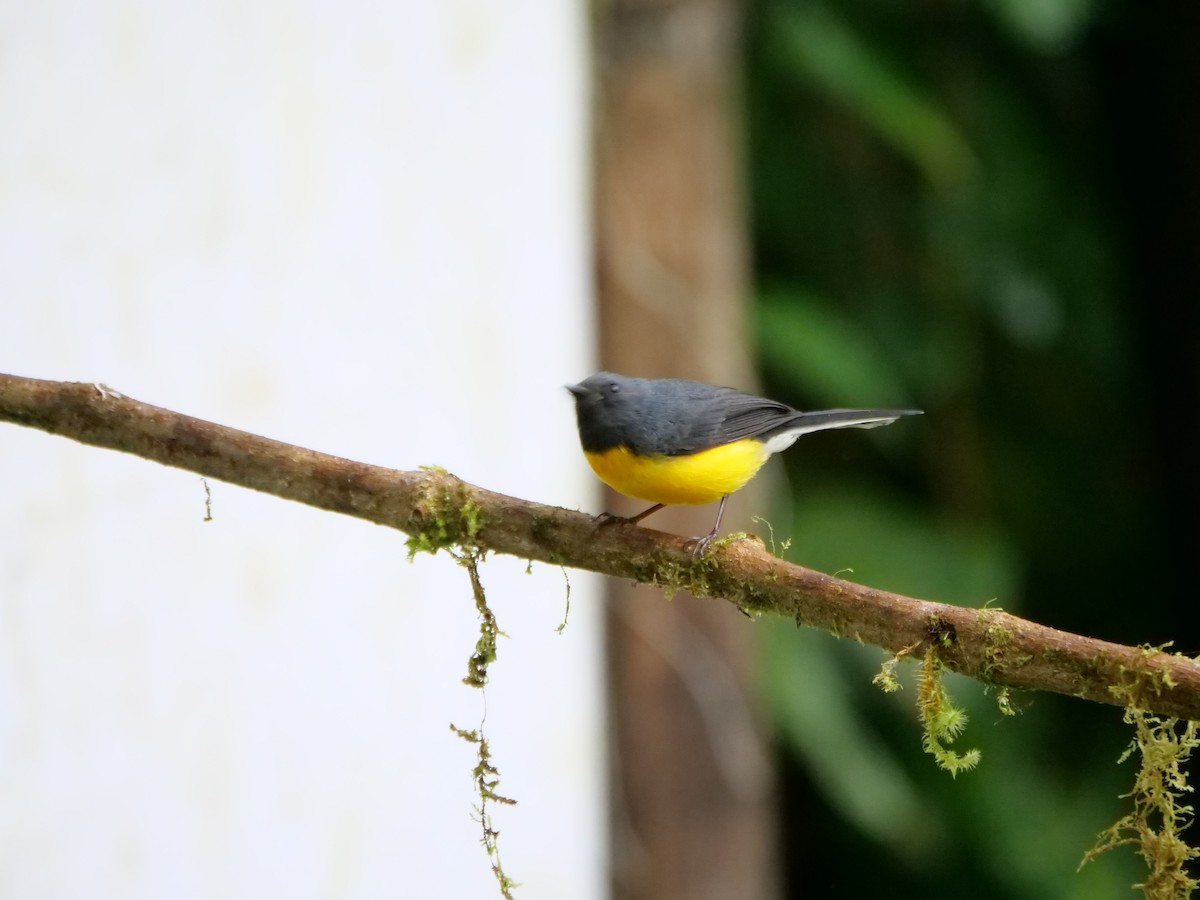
(577, 389)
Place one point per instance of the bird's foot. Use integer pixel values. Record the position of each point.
(699, 545)
(611, 519)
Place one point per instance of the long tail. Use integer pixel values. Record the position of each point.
(845, 418)
(802, 423)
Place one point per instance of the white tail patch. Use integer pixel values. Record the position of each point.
(823, 421)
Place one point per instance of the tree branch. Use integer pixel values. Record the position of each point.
(438, 510)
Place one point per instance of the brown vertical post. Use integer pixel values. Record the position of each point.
(693, 806)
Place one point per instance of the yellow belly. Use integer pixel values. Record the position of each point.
(702, 477)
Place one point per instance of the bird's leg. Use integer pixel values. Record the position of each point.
(610, 519)
(699, 544)
(633, 520)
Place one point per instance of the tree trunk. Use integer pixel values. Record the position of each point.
(693, 781)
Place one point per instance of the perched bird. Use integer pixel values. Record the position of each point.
(672, 441)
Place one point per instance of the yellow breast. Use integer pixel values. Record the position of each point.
(702, 477)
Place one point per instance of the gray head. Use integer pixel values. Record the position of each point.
(607, 408)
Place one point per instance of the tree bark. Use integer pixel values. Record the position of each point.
(694, 807)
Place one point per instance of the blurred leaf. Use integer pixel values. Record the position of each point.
(860, 777)
(888, 544)
(1047, 25)
(824, 48)
(1030, 821)
(823, 354)
(934, 198)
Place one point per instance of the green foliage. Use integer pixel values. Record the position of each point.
(886, 540)
(807, 340)
(810, 696)
(818, 44)
(934, 225)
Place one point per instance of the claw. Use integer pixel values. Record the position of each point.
(105, 391)
(610, 519)
(699, 545)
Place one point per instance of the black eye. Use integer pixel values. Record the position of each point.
(614, 389)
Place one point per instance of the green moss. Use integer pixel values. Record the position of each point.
(998, 652)
(489, 631)
(667, 571)
(487, 780)
(1004, 701)
(782, 547)
(567, 608)
(941, 633)
(543, 529)
(941, 720)
(1139, 684)
(447, 518)
(444, 517)
(1158, 820)
(732, 538)
(885, 679)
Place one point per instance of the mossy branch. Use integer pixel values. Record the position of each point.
(437, 509)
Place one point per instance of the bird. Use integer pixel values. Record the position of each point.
(673, 441)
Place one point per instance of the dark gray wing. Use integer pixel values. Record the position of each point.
(710, 416)
(689, 416)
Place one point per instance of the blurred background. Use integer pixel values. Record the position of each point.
(989, 209)
(357, 227)
(998, 213)
(394, 233)
(985, 210)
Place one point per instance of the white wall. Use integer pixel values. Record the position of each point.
(360, 228)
